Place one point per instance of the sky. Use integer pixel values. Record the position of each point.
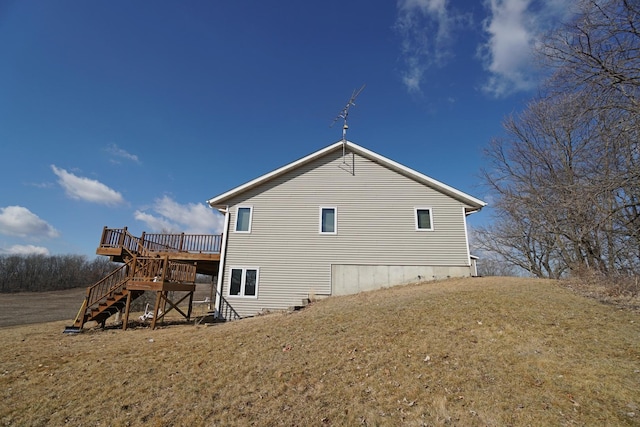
(134, 113)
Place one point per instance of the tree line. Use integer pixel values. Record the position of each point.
(565, 176)
(36, 273)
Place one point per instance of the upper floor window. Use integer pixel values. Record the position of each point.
(243, 219)
(424, 221)
(328, 220)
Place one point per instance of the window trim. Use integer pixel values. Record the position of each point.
(243, 282)
(235, 228)
(415, 215)
(335, 220)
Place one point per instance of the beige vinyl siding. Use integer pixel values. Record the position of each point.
(376, 226)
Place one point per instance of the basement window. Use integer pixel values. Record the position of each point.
(424, 221)
(244, 282)
(328, 220)
(243, 219)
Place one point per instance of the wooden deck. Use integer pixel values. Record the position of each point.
(201, 249)
(160, 263)
(160, 286)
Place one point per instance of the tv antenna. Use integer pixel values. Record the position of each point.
(344, 114)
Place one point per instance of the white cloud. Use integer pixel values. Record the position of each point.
(25, 250)
(86, 189)
(174, 217)
(425, 27)
(513, 29)
(155, 223)
(42, 184)
(20, 221)
(116, 151)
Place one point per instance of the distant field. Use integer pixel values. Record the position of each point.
(40, 307)
(468, 352)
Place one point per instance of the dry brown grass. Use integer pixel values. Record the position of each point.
(485, 352)
(620, 291)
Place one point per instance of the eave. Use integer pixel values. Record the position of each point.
(473, 204)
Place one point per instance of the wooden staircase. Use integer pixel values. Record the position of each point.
(154, 262)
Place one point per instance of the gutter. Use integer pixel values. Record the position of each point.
(223, 253)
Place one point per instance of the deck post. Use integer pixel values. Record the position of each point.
(121, 238)
(165, 298)
(132, 269)
(104, 235)
(165, 267)
(155, 309)
(141, 243)
(190, 306)
(181, 242)
(125, 321)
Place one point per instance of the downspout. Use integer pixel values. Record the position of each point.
(466, 236)
(223, 254)
(473, 264)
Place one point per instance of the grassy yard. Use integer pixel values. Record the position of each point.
(470, 352)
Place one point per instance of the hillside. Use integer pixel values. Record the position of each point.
(491, 351)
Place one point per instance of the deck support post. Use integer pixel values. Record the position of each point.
(125, 321)
(156, 309)
(162, 298)
(165, 298)
(190, 306)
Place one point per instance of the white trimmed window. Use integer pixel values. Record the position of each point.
(424, 219)
(328, 220)
(243, 219)
(243, 282)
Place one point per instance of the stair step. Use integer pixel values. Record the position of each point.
(109, 306)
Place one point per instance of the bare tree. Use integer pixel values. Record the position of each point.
(19, 273)
(566, 175)
(598, 50)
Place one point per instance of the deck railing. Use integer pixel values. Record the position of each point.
(119, 238)
(160, 242)
(202, 243)
(148, 269)
(181, 272)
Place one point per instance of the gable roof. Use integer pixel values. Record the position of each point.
(473, 203)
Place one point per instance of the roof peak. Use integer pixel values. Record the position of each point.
(474, 203)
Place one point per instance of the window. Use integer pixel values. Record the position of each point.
(328, 220)
(423, 219)
(244, 282)
(243, 219)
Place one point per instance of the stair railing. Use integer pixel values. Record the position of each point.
(110, 284)
(226, 311)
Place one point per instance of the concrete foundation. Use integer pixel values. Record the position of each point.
(352, 279)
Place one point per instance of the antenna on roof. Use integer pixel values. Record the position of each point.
(344, 114)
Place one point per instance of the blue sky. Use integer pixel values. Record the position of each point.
(133, 113)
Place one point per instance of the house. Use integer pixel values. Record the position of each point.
(339, 221)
